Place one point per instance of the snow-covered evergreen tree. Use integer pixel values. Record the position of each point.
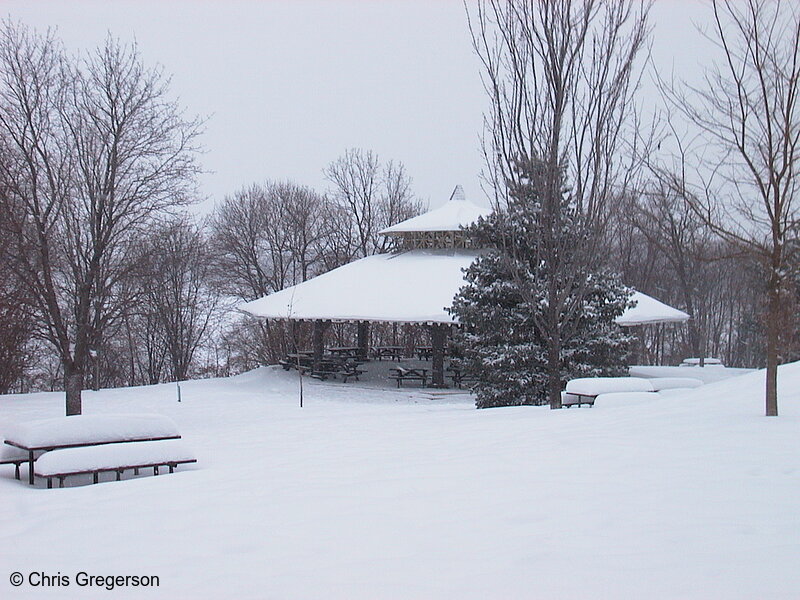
(536, 311)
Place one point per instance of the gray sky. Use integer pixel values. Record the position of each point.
(288, 86)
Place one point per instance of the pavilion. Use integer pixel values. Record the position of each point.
(415, 283)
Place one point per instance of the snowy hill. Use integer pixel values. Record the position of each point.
(369, 493)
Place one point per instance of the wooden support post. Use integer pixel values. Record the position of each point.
(155, 470)
(438, 339)
(16, 470)
(363, 340)
(318, 339)
(94, 477)
(171, 468)
(30, 467)
(61, 482)
(49, 483)
(119, 474)
(136, 471)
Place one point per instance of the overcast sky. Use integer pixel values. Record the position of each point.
(287, 86)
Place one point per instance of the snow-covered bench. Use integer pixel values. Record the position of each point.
(47, 435)
(674, 383)
(13, 456)
(113, 458)
(708, 362)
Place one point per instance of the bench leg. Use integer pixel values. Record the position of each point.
(171, 468)
(16, 470)
(119, 475)
(30, 467)
(94, 477)
(155, 470)
(136, 471)
(61, 482)
(49, 483)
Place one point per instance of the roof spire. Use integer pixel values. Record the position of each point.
(458, 194)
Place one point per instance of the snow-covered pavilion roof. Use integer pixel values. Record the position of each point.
(649, 310)
(411, 287)
(454, 214)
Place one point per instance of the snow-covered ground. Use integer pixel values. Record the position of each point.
(379, 493)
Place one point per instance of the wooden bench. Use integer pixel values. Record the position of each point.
(569, 399)
(47, 435)
(13, 456)
(111, 458)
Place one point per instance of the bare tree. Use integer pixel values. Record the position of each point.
(373, 196)
(356, 179)
(397, 202)
(177, 267)
(746, 164)
(96, 152)
(266, 238)
(560, 75)
(16, 321)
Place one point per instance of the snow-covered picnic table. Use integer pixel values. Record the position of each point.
(46, 435)
(586, 389)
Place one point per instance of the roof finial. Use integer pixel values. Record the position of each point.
(458, 194)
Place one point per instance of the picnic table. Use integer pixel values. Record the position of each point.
(405, 374)
(390, 352)
(47, 435)
(329, 366)
(295, 360)
(459, 377)
(424, 352)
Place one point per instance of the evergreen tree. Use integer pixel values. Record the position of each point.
(535, 312)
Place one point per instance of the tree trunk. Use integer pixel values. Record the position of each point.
(554, 372)
(73, 384)
(773, 326)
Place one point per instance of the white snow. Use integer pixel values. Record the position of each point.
(454, 214)
(109, 456)
(80, 429)
(368, 493)
(592, 386)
